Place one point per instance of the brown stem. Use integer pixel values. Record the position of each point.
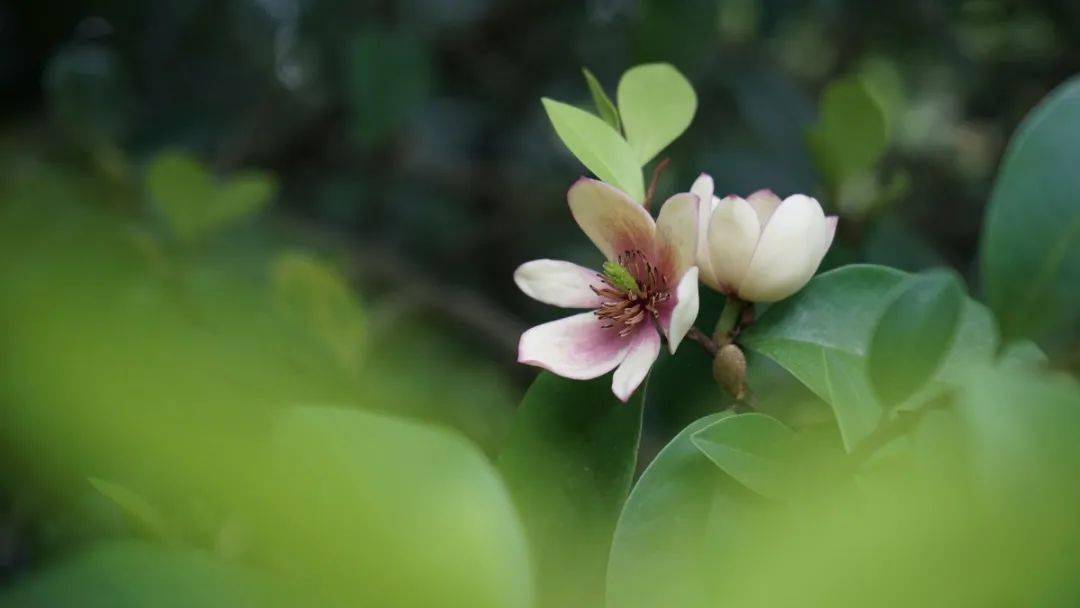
(706, 342)
(657, 171)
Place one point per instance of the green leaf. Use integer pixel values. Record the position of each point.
(318, 298)
(598, 146)
(386, 511)
(757, 450)
(851, 133)
(1020, 428)
(1031, 240)
(822, 334)
(388, 80)
(138, 508)
(656, 103)
(196, 205)
(603, 103)
(672, 535)
(1023, 354)
(569, 462)
(914, 334)
(127, 574)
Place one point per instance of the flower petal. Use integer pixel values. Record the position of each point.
(830, 232)
(610, 218)
(733, 236)
(703, 187)
(764, 203)
(682, 310)
(576, 347)
(644, 350)
(788, 253)
(676, 233)
(558, 283)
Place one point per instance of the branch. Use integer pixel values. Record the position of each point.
(706, 342)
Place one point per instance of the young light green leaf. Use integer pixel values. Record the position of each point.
(603, 103)
(656, 104)
(851, 133)
(137, 508)
(1030, 246)
(569, 461)
(914, 334)
(757, 450)
(598, 146)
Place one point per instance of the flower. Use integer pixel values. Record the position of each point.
(649, 281)
(760, 249)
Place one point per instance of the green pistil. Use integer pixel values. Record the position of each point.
(620, 277)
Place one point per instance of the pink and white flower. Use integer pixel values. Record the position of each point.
(649, 283)
(760, 249)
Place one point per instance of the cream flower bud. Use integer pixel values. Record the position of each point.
(760, 248)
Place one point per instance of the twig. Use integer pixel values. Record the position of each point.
(657, 171)
(706, 342)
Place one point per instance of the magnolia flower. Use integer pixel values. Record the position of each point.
(648, 282)
(760, 249)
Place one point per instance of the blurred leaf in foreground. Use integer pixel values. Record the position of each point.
(195, 204)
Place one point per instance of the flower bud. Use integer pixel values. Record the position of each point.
(729, 369)
(760, 249)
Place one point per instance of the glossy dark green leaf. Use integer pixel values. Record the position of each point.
(914, 334)
(604, 106)
(569, 462)
(673, 533)
(755, 449)
(821, 335)
(1030, 246)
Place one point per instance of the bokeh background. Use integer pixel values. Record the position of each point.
(407, 167)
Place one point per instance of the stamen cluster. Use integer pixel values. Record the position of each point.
(624, 306)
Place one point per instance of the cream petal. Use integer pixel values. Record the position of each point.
(733, 236)
(764, 203)
(558, 283)
(703, 187)
(830, 233)
(681, 310)
(576, 347)
(676, 233)
(788, 253)
(644, 350)
(613, 221)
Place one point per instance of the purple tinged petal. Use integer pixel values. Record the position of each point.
(643, 351)
(575, 347)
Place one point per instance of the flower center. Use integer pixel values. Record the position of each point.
(632, 291)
